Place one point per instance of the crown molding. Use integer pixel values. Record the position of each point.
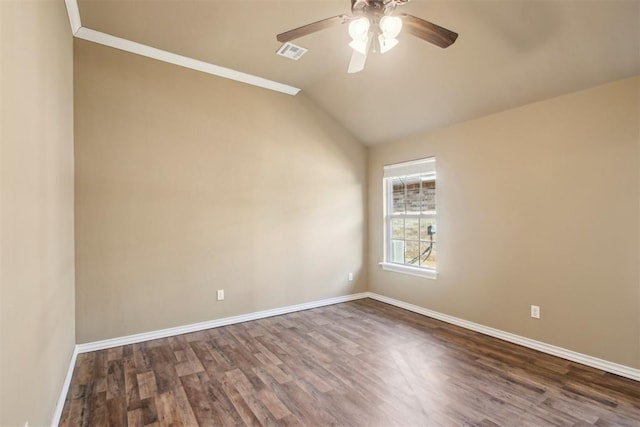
(162, 55)
(74, 15)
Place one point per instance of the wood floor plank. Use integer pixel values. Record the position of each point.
(184, 407)
(167, 409)
(135, 418)
(96, 412)
(149, 411)
(361, 363)
(132, 392)
(116, 411)
(242, 407)
(197, 397)
(147, 384)
(115, 378)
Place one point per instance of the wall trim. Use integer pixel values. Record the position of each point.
(614, 368)
(194, 327)
(172, 58)
(65, 389)
(74, 15)
(594, 362)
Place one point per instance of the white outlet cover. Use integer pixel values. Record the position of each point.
(535, 311)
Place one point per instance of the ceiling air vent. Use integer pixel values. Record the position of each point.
(291, 51)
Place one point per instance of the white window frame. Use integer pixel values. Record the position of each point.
(426, 166)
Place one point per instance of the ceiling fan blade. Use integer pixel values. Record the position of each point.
(311, 28)
(358, 59)
(357, 62)
(427, 31)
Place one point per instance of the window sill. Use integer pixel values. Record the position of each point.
(413, 271)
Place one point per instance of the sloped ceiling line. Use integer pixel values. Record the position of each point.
(161, 55)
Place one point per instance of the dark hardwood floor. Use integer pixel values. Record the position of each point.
(362, 363)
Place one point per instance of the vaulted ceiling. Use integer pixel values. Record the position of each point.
(509, 53)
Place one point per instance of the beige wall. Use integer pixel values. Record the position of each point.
(536, 205)
(36, 209)
(187, 183)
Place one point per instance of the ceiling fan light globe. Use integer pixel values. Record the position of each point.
(359, 46)
(359, 28)
(386, 44)
(390, 26)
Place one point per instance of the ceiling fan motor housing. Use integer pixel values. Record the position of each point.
(381, 23)
(374, 7)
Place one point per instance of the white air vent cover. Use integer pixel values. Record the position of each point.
(291, 51)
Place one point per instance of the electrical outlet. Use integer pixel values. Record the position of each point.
(220, 294)
(535, 311)
(350, 277)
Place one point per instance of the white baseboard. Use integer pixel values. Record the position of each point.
(614, 368)
(194, 327)
(163, 333)
(65, 389)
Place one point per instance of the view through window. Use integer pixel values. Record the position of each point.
(410, 214)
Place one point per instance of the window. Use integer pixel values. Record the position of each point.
(410, 218)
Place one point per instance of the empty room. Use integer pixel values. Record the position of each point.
(320, 212)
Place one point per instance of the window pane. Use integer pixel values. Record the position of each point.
(414, 196)
(411, 218)
(397, 228)
(411, 228)
(398, 195)
(397, 251)
(428, 254)
(429, 196)
(425, 223)
(411, 252)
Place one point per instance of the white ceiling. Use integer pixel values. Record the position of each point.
(509, 53)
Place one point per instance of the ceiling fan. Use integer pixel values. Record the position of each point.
(375, 19)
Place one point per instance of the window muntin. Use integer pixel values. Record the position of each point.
(410, 215)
